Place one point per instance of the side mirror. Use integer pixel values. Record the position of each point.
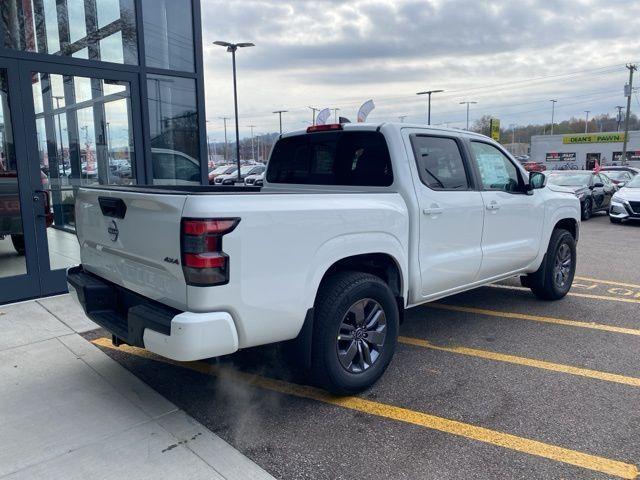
(536, 180)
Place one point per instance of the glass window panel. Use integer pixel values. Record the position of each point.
(173, 120)
(12, 260)
(72, 28)
(168, 34)
(82, 88)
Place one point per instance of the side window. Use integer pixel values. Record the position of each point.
(497, 172)
(440, 163)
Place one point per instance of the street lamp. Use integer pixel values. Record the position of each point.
(232, 47)
(429, 92)
(280, 112)
(553, 111)
(586, 121)
(467, 103)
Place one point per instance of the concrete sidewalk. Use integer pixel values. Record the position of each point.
(68, 411)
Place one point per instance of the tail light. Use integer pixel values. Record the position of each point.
(324, 128)
(203, 261)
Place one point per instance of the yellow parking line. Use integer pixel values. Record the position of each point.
(535, 318)
(572, 294)
(608, 282)
(528, 362)
(466, 430)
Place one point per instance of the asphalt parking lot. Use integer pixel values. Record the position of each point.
(492, 383)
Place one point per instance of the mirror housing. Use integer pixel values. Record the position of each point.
(536, 180)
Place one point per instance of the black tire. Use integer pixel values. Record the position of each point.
(615, 220)
(18, 243)
(547, 283)
(586, 209)
(337, 296)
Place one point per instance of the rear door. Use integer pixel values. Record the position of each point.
(513, 219)
(451, 213)
(133, 239)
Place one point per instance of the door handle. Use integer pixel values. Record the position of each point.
(434, 209)
(493, 205)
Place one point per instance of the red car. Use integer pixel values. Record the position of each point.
(534, 166)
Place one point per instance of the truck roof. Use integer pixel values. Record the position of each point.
(398, 125)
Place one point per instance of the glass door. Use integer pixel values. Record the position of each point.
(80, 132)
(19, 202)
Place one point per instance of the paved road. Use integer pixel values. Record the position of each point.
(488, 384)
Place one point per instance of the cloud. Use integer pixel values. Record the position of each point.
(339, 53)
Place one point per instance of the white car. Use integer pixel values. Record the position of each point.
(232, 177)
(625, 203)
(355, 223)
(254, 180)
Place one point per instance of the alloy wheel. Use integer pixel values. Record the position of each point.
(562, 266)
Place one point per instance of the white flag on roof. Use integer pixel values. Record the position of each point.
(323, 116)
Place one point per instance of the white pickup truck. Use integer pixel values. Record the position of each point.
(354, 224)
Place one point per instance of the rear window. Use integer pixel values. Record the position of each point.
(332, 158)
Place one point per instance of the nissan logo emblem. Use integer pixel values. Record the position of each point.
(113, 231)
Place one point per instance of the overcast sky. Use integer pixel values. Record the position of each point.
(509, 56)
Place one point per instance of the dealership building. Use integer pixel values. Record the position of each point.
(92, 92)
(582, 151)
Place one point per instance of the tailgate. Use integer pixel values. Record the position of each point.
(133, 240)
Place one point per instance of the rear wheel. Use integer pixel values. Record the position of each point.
(587, 209)
(553, 279)
(355, 332)
(18, 243)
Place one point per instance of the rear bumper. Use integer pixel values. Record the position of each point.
(141, 322)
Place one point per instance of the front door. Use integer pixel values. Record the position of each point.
(513, 220)
(592, 159)
(450, 213)
(72, 127)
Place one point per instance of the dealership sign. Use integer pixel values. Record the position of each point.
(594, 138)
(561, 157)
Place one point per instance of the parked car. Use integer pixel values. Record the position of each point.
(625, 204)
(232, 177)
(254, 179)
(534, 166)
(626, 168)
(10, 214)
(594, 190)
(618, 177)
(221, 170)
(354, 224)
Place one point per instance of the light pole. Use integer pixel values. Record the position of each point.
(253, 153)
(314, 110)
(208, 144)
(467, 103)
(429, 92)
(232, 47)
(513, 134)
(280, 112)
(401, 118)
(586, 121)
(553, 111)
(335, 115)
(64, 169)
(224, 119)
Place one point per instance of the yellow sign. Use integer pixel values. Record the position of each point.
(594, 138)
(495, 129)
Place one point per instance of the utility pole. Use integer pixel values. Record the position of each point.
(632, 68)
(224, 119)
(401, 118)
(513, 134)
(335, 115)
(314, 110)
(586, 121)
(280, 112)
(253, 153)
(619, 117)
(553, 111)
(467, 103)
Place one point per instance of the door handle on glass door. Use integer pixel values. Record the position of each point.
(493, 205)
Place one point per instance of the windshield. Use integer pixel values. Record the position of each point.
(570, 179)
(246, 169)
(634, 182)
(220, 169)
(616, 175)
